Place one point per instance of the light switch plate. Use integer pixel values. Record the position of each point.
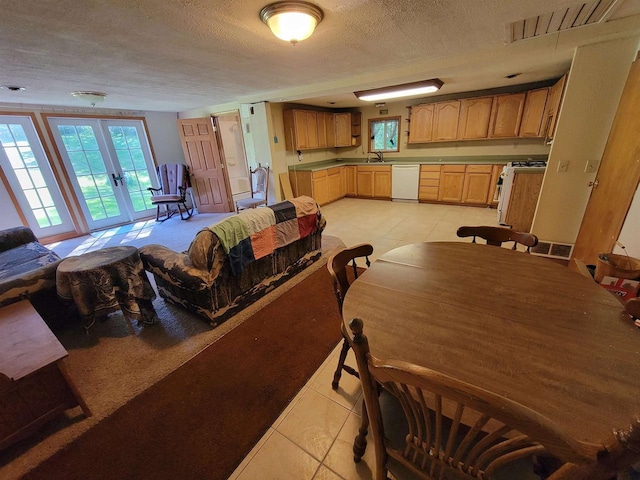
(563, 166)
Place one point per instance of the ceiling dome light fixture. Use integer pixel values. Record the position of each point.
(397, 91)
(91, 97)
(291, 21)
(13, 88)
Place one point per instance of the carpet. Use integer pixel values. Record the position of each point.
(204, 417)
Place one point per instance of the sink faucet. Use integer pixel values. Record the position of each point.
(379, 155)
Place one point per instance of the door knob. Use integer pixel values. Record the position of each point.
(593, 184)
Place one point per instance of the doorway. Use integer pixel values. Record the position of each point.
(234, 153)
(110, 167)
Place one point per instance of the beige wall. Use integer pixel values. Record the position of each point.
(594, 86)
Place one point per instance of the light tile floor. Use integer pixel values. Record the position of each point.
(313, 437)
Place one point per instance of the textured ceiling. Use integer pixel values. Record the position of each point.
(178, 55)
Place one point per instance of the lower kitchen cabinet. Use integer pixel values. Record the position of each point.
(374, 181)
(429, 183)
(464, 184)
(334, 180)
(451, 183)
(351, 183)
(477, 182)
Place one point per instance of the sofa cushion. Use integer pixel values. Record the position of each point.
(25, 270)
(25, 258)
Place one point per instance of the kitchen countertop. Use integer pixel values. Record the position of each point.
(463, 160)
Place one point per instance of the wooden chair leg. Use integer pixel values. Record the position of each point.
(343, 356)
(360, 442)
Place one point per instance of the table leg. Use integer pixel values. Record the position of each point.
(62, 366)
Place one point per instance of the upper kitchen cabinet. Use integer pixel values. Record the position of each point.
(553, 107)
(301, 129)
(421, 127)
(506, 115)
(475, 114)
(356, 129)
(532, 124)
(445, 120)
(326, 130)
(343, 129)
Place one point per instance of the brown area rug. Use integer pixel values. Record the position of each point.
(202, 419)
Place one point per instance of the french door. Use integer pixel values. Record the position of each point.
(31, 179)
(110, 167)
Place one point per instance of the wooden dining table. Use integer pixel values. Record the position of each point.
(518, 325)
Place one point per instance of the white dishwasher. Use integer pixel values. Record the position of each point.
(405, 180)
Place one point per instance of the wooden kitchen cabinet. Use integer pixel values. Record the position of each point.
(451, 183)
(374, 181)
(523, 200)
(532, 124)
(429, 183)
(477, 182)
(351, 175)
(356, 129)
(493, 188)
(326, 130)
(342, 129)
(421, 123)
(475, 114)
(553, 107)
(301, 129)
(445, 120)
(334, 181)
(320, 185)
(506, 115)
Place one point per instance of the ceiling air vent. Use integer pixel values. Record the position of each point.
(563, 19)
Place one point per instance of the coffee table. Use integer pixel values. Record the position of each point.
(107, 280)
(35, 385)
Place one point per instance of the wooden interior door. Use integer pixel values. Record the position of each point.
(203, 152)
(617, 178)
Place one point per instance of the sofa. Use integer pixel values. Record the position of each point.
(28, 271)
(233, 263)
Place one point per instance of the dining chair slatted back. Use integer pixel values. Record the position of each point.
(259, 182)
(174, 183)
(454, 430)
(498, 235)
(342, 275)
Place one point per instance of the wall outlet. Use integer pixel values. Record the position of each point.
(563, 166)
(591, 166)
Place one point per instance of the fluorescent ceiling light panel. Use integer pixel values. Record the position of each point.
(397, 91)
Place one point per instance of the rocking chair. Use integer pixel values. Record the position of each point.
(174, 182)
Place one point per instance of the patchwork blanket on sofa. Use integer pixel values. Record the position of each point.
(256, 233)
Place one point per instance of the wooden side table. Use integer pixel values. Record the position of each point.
(107, 280)
(35, 384)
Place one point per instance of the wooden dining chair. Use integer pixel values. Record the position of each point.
(342, 278)
(632, 307)
(259, 182)
(498, 235)
(456, 430)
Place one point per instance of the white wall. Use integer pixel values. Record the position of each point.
(594, 86)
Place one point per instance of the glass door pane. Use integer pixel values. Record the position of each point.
(91, 171)
(130, 148)
(110, 166)
(31, 179)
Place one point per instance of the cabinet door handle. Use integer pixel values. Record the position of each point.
(593, 184)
